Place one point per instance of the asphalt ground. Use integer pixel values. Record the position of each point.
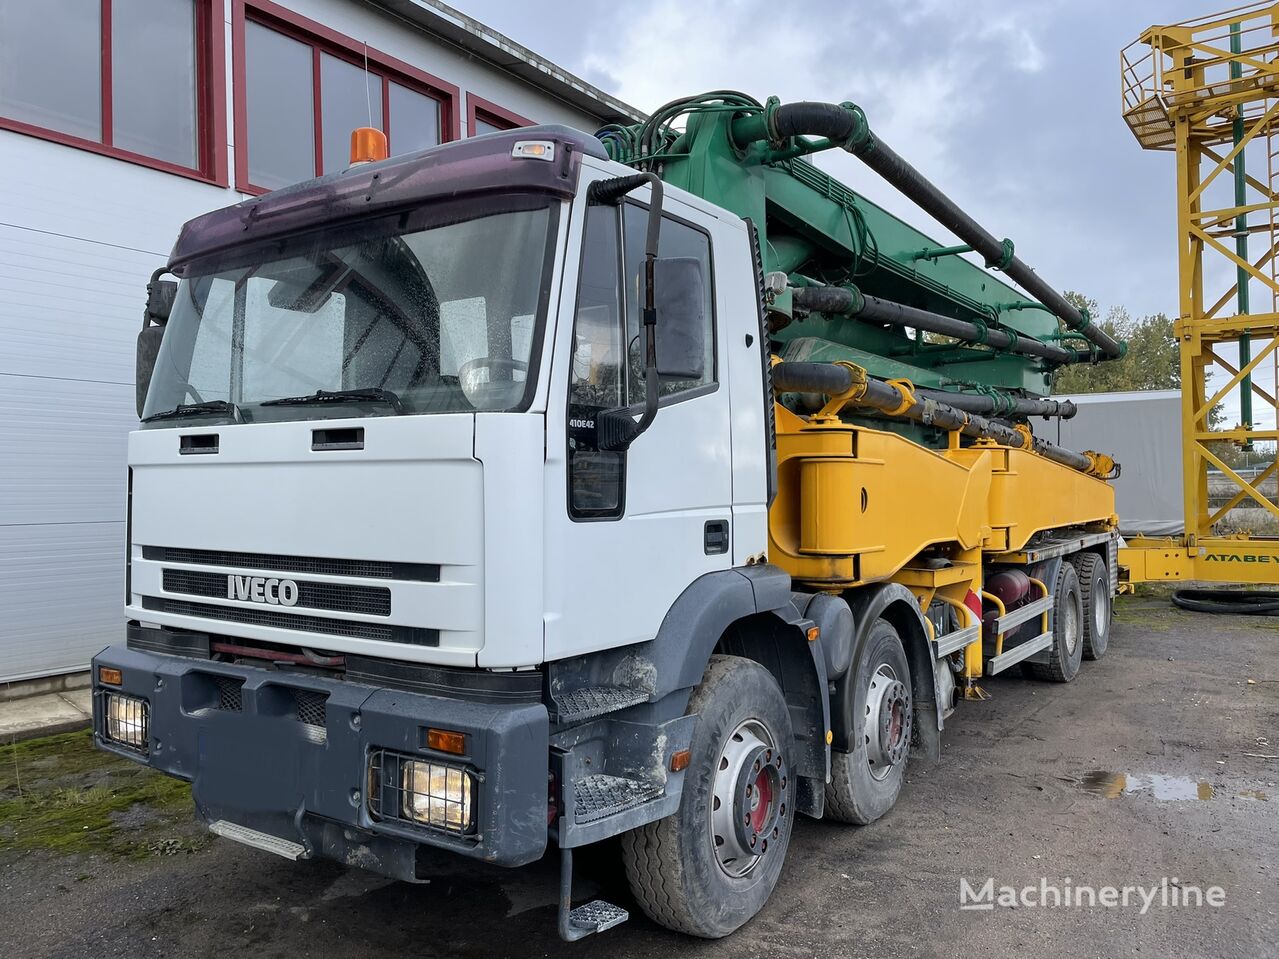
(1147, 771)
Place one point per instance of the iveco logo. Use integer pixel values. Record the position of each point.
(259, 589)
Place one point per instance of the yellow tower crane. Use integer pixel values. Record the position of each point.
(1208, 90)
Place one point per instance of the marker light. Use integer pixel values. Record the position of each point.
(368, 145)
(446, 741)
(533, 150)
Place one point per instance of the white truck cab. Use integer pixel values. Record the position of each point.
(397, 551)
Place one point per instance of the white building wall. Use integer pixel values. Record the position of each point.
(80, 235)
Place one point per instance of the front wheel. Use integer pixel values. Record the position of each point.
(711, 866)
(866, 780)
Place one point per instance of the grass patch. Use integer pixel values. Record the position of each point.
(62, 794)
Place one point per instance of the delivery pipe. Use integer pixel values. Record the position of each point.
(845, 125)
(836, 379)
(849, 301)
(1000, 405)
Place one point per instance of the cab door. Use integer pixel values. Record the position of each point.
(628, 532)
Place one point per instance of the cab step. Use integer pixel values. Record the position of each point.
(597, 916)
(588, 918)
(258, 840)
(600, 795)
(588, 702)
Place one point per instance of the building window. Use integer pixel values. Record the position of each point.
(138, 79)
(484, 116)
(302, 88)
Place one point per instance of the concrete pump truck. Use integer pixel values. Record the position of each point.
(542, 488)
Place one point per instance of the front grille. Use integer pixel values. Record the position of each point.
(309, 707)
(342, 597)
(421, 572)
(414, 635)
(230, 694)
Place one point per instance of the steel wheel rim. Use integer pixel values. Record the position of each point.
(887, 722)
(1101, 611)
(1070, 627)
(748, 798)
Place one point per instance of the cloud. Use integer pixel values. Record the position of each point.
(1011, 108)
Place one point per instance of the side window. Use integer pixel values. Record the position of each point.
(677, 239)
(597, 376)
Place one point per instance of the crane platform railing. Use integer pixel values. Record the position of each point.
(1231, 60)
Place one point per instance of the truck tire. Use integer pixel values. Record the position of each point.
(1095, 595)
(1094, 592)
(865, 782)
(709, 867)
(1067, 650)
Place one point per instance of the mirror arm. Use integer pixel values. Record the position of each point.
(619, 431)
(149, 315)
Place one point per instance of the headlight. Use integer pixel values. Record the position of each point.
(127, 720)
(436, 795)
(410, 790)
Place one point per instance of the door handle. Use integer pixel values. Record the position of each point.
(716, 537)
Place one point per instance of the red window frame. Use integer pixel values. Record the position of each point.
(322, 39)
(477, 108)
(210, 103)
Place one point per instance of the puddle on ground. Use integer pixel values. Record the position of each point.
(1166, 788)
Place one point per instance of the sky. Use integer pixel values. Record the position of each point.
(1012, 108)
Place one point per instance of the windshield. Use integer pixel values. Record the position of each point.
(440, 317)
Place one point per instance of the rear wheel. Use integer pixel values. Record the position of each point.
(866, 781)
(1094, 592)
(711, 866)
(1067, 650)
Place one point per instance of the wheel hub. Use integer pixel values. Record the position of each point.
(888, 721)
(1070, 628)
(748, 804)
(1101, 612)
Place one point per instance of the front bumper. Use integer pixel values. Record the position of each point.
(289, 756)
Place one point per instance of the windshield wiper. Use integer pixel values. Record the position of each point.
(341, 396)
(197, 409)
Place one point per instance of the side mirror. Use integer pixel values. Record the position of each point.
(161, 295)
(148, 349)
(679, 293)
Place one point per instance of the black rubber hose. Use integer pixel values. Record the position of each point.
(811, 378)
(828, 299)
(1238, 602)
(806, 118)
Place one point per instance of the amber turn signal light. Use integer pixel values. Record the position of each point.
(446, 741)
(368, 145)
(110, 676)
(814, 633)
(679, 760)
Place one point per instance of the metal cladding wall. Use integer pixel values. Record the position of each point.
(80, 233)
(1141, 431)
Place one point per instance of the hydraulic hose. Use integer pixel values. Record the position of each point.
(850, 383)
(845, 125)
(848, 301)
(1247, 603)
